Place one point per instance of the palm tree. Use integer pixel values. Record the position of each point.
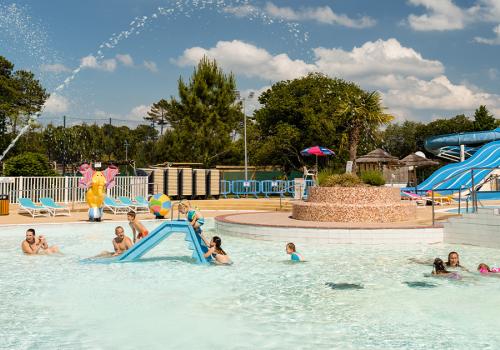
(362, 112)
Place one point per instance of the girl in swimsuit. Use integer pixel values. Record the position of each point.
(440, 270)
(485, 269)
(215, 251)
(192, 215)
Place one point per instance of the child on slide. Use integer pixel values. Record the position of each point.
(291, 250)
(193, 215)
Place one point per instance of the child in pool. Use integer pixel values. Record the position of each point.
(440, 270)
(136, 226)
(193, 215)
(485, 269)
(291, 250)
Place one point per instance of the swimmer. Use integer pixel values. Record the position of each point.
(215, 251)
(136, 226)
(193, 215)
(440, 270)
(32, 245)
(291, 250)
(121, 243)
(485, 269)
(454, 261)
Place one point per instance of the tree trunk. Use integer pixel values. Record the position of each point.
(354, 137)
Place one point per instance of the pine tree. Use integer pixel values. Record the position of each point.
(204, 116)
(158, 114)
(483, 120)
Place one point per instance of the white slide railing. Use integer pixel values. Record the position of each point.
(64, 189)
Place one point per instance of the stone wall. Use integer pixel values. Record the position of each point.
(354, 204)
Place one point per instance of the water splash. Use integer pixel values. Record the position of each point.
(13, 19)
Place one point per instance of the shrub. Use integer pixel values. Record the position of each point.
(373, 177)
(28, 164)
(342, 180)
(324, 174)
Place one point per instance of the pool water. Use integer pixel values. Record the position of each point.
(344, 297)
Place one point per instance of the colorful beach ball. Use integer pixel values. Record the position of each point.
(160, 204)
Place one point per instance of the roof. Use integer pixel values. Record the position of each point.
(416, 160)
(377, 156)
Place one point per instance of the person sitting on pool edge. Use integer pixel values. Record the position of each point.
(32, 245)
(136, 226)
(215, 250)
(292, 251)
(121, 243)
(192, 215)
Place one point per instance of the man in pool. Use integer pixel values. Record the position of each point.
(121, 243)
(33, 245)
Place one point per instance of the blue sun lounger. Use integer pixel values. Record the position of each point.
(53, 207)
(27, 205)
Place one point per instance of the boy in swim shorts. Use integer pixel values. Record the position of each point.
(136, 226)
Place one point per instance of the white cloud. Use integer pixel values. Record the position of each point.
(492, 41)
(248, 60)
(56, 104)
(408, 82)
(91, 62)
(319, 14)
(323, 14)
(493, 73)
(125, 59)
(139, 112)
(151, 66)
(443, 15)
(54, 68)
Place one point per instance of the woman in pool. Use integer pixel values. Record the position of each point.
(440, 270)
(454, 261)
(215, 250)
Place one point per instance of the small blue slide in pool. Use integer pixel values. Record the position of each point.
(162, 232)
(458, 175)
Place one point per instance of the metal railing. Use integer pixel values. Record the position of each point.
(64, 189)
(470, 197)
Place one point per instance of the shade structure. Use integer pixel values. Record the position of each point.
(378, 156)
(317, 151)
(416, 160)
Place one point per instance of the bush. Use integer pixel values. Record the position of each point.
(28, 164)
(324, 174)
(373, 177)
(342, 180)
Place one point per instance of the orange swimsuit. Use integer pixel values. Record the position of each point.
(143, 234)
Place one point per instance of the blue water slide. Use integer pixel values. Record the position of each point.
(472, 140)
(459, 174)
(159, 234)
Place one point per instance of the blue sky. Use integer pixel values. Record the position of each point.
(428, 58)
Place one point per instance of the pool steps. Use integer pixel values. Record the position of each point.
(479, 229)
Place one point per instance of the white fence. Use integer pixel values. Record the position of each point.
(65, 188)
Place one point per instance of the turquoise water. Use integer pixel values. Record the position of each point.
(344, 297)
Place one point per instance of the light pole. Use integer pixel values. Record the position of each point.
(126, 144)
(243, 99)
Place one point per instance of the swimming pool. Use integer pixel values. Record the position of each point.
(261, 302)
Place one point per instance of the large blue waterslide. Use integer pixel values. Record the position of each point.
(457, 176)
(450, 143)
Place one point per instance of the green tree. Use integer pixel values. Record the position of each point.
(362, 113)
(158, 114)
(483, 120)
(28, 164)
(403, 139)
(203, 117)
(21, 95)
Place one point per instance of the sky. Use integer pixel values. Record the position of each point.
(104, 59)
